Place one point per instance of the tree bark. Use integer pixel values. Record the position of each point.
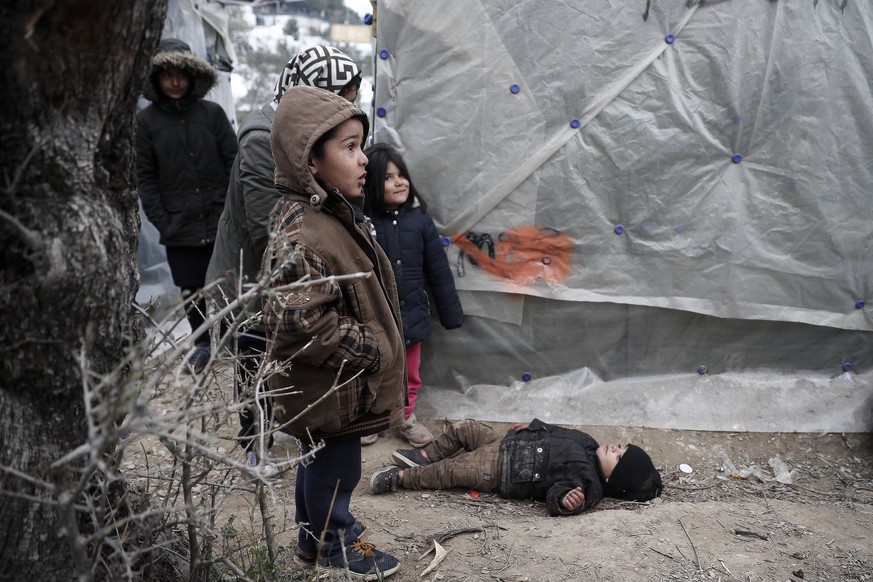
(72, 72)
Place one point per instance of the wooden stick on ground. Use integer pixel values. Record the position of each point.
(693, 547)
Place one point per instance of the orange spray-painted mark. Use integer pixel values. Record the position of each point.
(523, 255)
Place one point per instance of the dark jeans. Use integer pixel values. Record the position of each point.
(250, 349)
(466, 455)
(188, 267)
(336, 467)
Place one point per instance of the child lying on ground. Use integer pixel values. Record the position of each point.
(564, 467)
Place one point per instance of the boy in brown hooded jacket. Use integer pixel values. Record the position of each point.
(243, 228)
(333, 311)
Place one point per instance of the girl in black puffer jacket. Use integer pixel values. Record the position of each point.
(409, 237)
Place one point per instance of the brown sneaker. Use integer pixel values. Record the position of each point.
(416, 434)
(304, 558)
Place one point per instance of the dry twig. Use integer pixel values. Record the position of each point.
(693, 547)
(739, 531)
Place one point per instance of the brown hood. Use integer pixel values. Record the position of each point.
(304, 114)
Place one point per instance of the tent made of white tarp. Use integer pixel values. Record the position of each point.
(659, 213)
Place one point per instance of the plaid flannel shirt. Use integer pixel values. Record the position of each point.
(291, 311)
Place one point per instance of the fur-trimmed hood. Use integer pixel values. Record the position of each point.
(174, 52)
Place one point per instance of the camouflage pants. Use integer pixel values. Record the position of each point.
(466, 455)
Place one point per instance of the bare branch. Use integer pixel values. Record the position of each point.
(12, 185)
(30, 237)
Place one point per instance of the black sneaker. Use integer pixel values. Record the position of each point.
(199, 358)
(385, 480)
(308, 560)
(409, 458)
(362, 561)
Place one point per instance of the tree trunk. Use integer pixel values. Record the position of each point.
(72, 72)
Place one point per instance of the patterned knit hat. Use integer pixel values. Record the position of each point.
(635, 477)
(320, 66)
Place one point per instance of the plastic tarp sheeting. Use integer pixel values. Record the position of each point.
(203, 25)
(156, 288)
(697, 178)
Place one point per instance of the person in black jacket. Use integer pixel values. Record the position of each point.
(409, 237)
(564, 467)
(185, 147)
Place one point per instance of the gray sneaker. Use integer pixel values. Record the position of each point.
(385, 480)
(369, 439)
(270, 458)
(409, 458)
(414, 432)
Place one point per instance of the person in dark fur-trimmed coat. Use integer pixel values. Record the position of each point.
(185, 147)
(409, 237)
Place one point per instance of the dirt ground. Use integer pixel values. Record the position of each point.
(708, 525)
(729, 519)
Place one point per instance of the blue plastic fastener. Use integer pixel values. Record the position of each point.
(701, 370)
(381, 112)
(847, 367)
(619, 229)
(526, 377)
(445, 241)
(575, 123)
(736, 158)
(368, 18)
(859, 304)
(670, 38)
(384, 54)
(514, 88)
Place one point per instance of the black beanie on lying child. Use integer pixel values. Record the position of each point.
(634, 477)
